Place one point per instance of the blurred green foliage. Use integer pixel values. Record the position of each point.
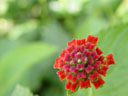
(33, 32)
(21, 91)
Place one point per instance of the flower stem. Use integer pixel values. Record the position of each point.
(90, 92)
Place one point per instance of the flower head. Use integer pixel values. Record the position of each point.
(82, 63)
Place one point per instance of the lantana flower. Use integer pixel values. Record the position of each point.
(82, 63)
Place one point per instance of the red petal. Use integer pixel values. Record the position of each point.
(89, 38)
(99, 52)
(101, 58)
(74, 41)
(95, 40)
(103, 70)
(73, 78)
(56, 65)
(63, 53)
(83, 41)
(94, 75)
(69, 76)
(85, 83)
(88, 44)
(98, 83)
(68, 85)
(61, 65)
(110, 59)
(92, 46)
(60, 72)
(69, 43)
(78, 42)
(62, 76)
(92, 39)
(73, 86)
(110, 56)
(57, 60)
(71, 48)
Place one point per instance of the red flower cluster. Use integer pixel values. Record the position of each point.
(82, 63)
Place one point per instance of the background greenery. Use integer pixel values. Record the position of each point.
(33, 33)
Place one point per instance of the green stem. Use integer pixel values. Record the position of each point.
(90, 92)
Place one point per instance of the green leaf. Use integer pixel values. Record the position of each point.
(115, 40)
(17, 62)
(91, 25)
(33, 79)
(24, 30)
(6, 46)
(21, 91)
(53, 33)
(82, 92)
